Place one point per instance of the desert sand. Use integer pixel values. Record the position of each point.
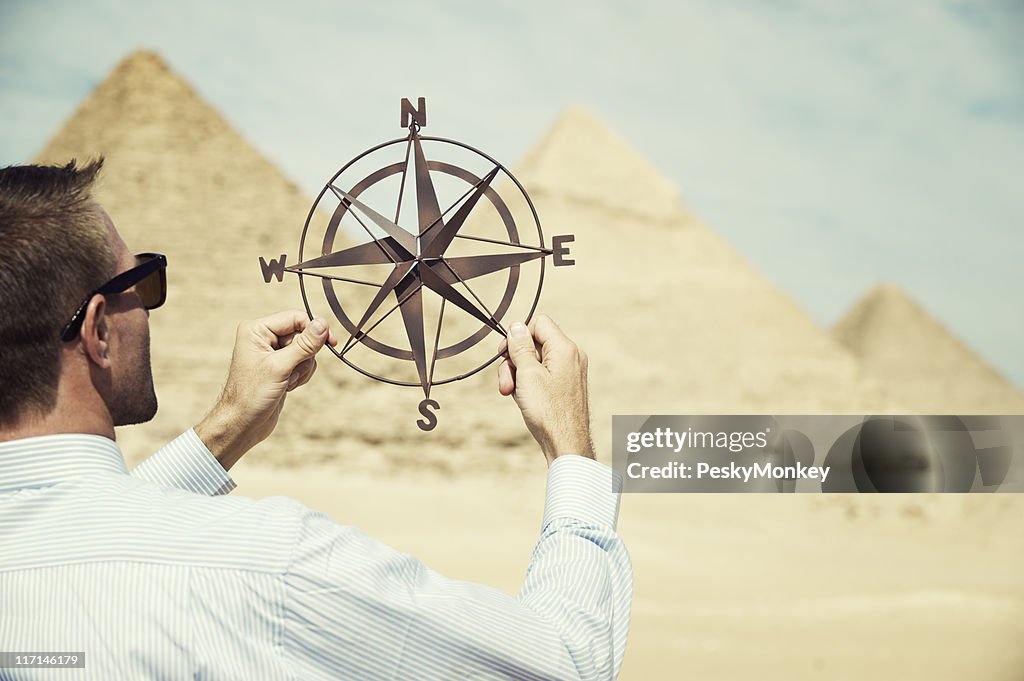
(674, 321)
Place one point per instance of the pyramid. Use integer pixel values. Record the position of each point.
(928, 367)
(178, 179)
(579, 159)
(676, 321)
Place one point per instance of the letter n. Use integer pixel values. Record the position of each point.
(419, 113)
(273, 269)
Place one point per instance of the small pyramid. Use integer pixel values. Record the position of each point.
(928, 368)
(581, 159)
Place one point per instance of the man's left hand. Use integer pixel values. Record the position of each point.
(272, 356)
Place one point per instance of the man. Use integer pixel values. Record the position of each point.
(154, 573)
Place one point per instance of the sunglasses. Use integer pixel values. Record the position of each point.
(149, 277)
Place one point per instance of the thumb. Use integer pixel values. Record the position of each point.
(304, 345)
(521, 350)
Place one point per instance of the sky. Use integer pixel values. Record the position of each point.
(836, 145)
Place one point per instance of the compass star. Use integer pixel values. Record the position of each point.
(419, 261)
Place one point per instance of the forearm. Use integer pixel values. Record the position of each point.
(580, 578)
(363, 605)
(581, 585)
(186, 463)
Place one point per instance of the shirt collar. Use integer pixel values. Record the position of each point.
(48, 459)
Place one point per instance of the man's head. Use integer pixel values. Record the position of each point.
(56, 246)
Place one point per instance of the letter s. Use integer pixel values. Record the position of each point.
(429, 420)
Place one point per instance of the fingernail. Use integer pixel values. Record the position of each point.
(318, 326)
(518, 329)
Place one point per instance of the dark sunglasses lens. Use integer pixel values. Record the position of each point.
(152, 290)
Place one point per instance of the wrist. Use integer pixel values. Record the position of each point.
(578, 446)
(221, 432)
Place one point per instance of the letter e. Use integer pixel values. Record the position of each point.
(560, 250)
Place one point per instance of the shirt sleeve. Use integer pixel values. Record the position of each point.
(359, 609)
(185, 463)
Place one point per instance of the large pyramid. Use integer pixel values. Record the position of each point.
(179, 180)
(927, 367)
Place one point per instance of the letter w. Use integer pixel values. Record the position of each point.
(274, 268)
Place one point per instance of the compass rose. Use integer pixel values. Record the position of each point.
(431, 252)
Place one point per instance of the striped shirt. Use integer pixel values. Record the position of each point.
(154, 574)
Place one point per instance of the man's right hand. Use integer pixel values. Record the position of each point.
(546, 374)
(272, 356)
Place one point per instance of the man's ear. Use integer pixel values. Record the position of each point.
(96, 332)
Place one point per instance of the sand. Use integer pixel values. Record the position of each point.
(674, 321)
(795, 587)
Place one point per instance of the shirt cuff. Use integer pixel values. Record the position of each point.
(581, 489)
(185, 463)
